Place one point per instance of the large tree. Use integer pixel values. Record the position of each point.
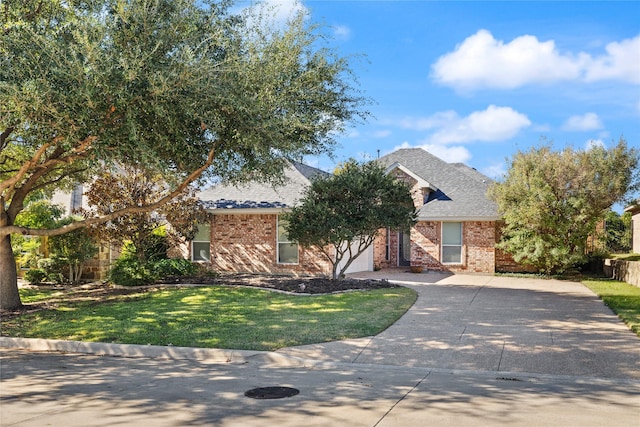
(181, 88)
(341, 214)
(551, 201)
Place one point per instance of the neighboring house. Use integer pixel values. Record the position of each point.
(247, 232)
(457, 224)
(635, 226)
(457, 227)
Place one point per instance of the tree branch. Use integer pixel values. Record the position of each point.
(9, 184)
(13, 229)
(4, 137)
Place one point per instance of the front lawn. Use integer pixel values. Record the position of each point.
(211, 316)
(621, 297)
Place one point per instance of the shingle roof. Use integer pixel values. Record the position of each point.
(255, 195)
(461, 191)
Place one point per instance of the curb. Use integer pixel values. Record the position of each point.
(214, 355)
(269, 359)
(128, 350)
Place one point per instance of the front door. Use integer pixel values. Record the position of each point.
(404, 249)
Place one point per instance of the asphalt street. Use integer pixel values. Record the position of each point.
(473, 350)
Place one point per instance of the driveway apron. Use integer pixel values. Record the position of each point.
(495, 323)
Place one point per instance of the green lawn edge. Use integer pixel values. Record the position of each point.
(212, 317)
(621, 297)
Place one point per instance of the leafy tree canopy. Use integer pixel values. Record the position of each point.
(551, 201)
(350, 206)
(181, 88)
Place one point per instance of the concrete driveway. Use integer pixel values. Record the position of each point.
(497, 324)
(472, 351)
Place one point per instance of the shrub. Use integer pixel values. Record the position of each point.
(174, 267)
(35, 276)
(131, 272)
(55, 268)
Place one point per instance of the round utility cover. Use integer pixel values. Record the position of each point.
(271, 392)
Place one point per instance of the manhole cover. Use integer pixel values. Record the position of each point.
(271, 392)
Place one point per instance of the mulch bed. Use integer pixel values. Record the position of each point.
(299, 285)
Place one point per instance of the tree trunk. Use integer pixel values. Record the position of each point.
(9, 297)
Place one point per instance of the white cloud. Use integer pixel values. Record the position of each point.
(592, 143)
(382, 133)
(274, 13)
(341, 32)
(495, 171)
(481, 61)
(285, 9)
(622, 62)
(450, 154)
(437, 120)
(585, 122)
(493, 124)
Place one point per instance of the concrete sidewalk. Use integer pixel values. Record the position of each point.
(473, 350)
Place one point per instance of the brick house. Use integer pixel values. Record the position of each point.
(247, 234)
(457, 227)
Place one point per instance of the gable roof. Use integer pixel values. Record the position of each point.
(257, 195)
(460, 191)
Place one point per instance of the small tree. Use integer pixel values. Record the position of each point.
(73, 249)
(348, 209)
(135, 187)
(617, 232)
(552, 201)
(37, 214)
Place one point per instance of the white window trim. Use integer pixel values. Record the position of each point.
(461, 246)
(193, 252)
(278, 242)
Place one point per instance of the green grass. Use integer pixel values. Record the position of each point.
(214, 317)
(621, 297)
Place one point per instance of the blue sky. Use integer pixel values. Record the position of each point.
(473, 82)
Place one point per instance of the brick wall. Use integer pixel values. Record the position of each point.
(382, 258)
(248, 243)
(425, 245)
(479, 240)
(478, 251)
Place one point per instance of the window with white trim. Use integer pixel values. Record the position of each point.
(287, 250)
(201, 244)
(452, 243)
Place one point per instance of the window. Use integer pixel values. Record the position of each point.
(287, 250)
(452, 243)
(201, 244)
